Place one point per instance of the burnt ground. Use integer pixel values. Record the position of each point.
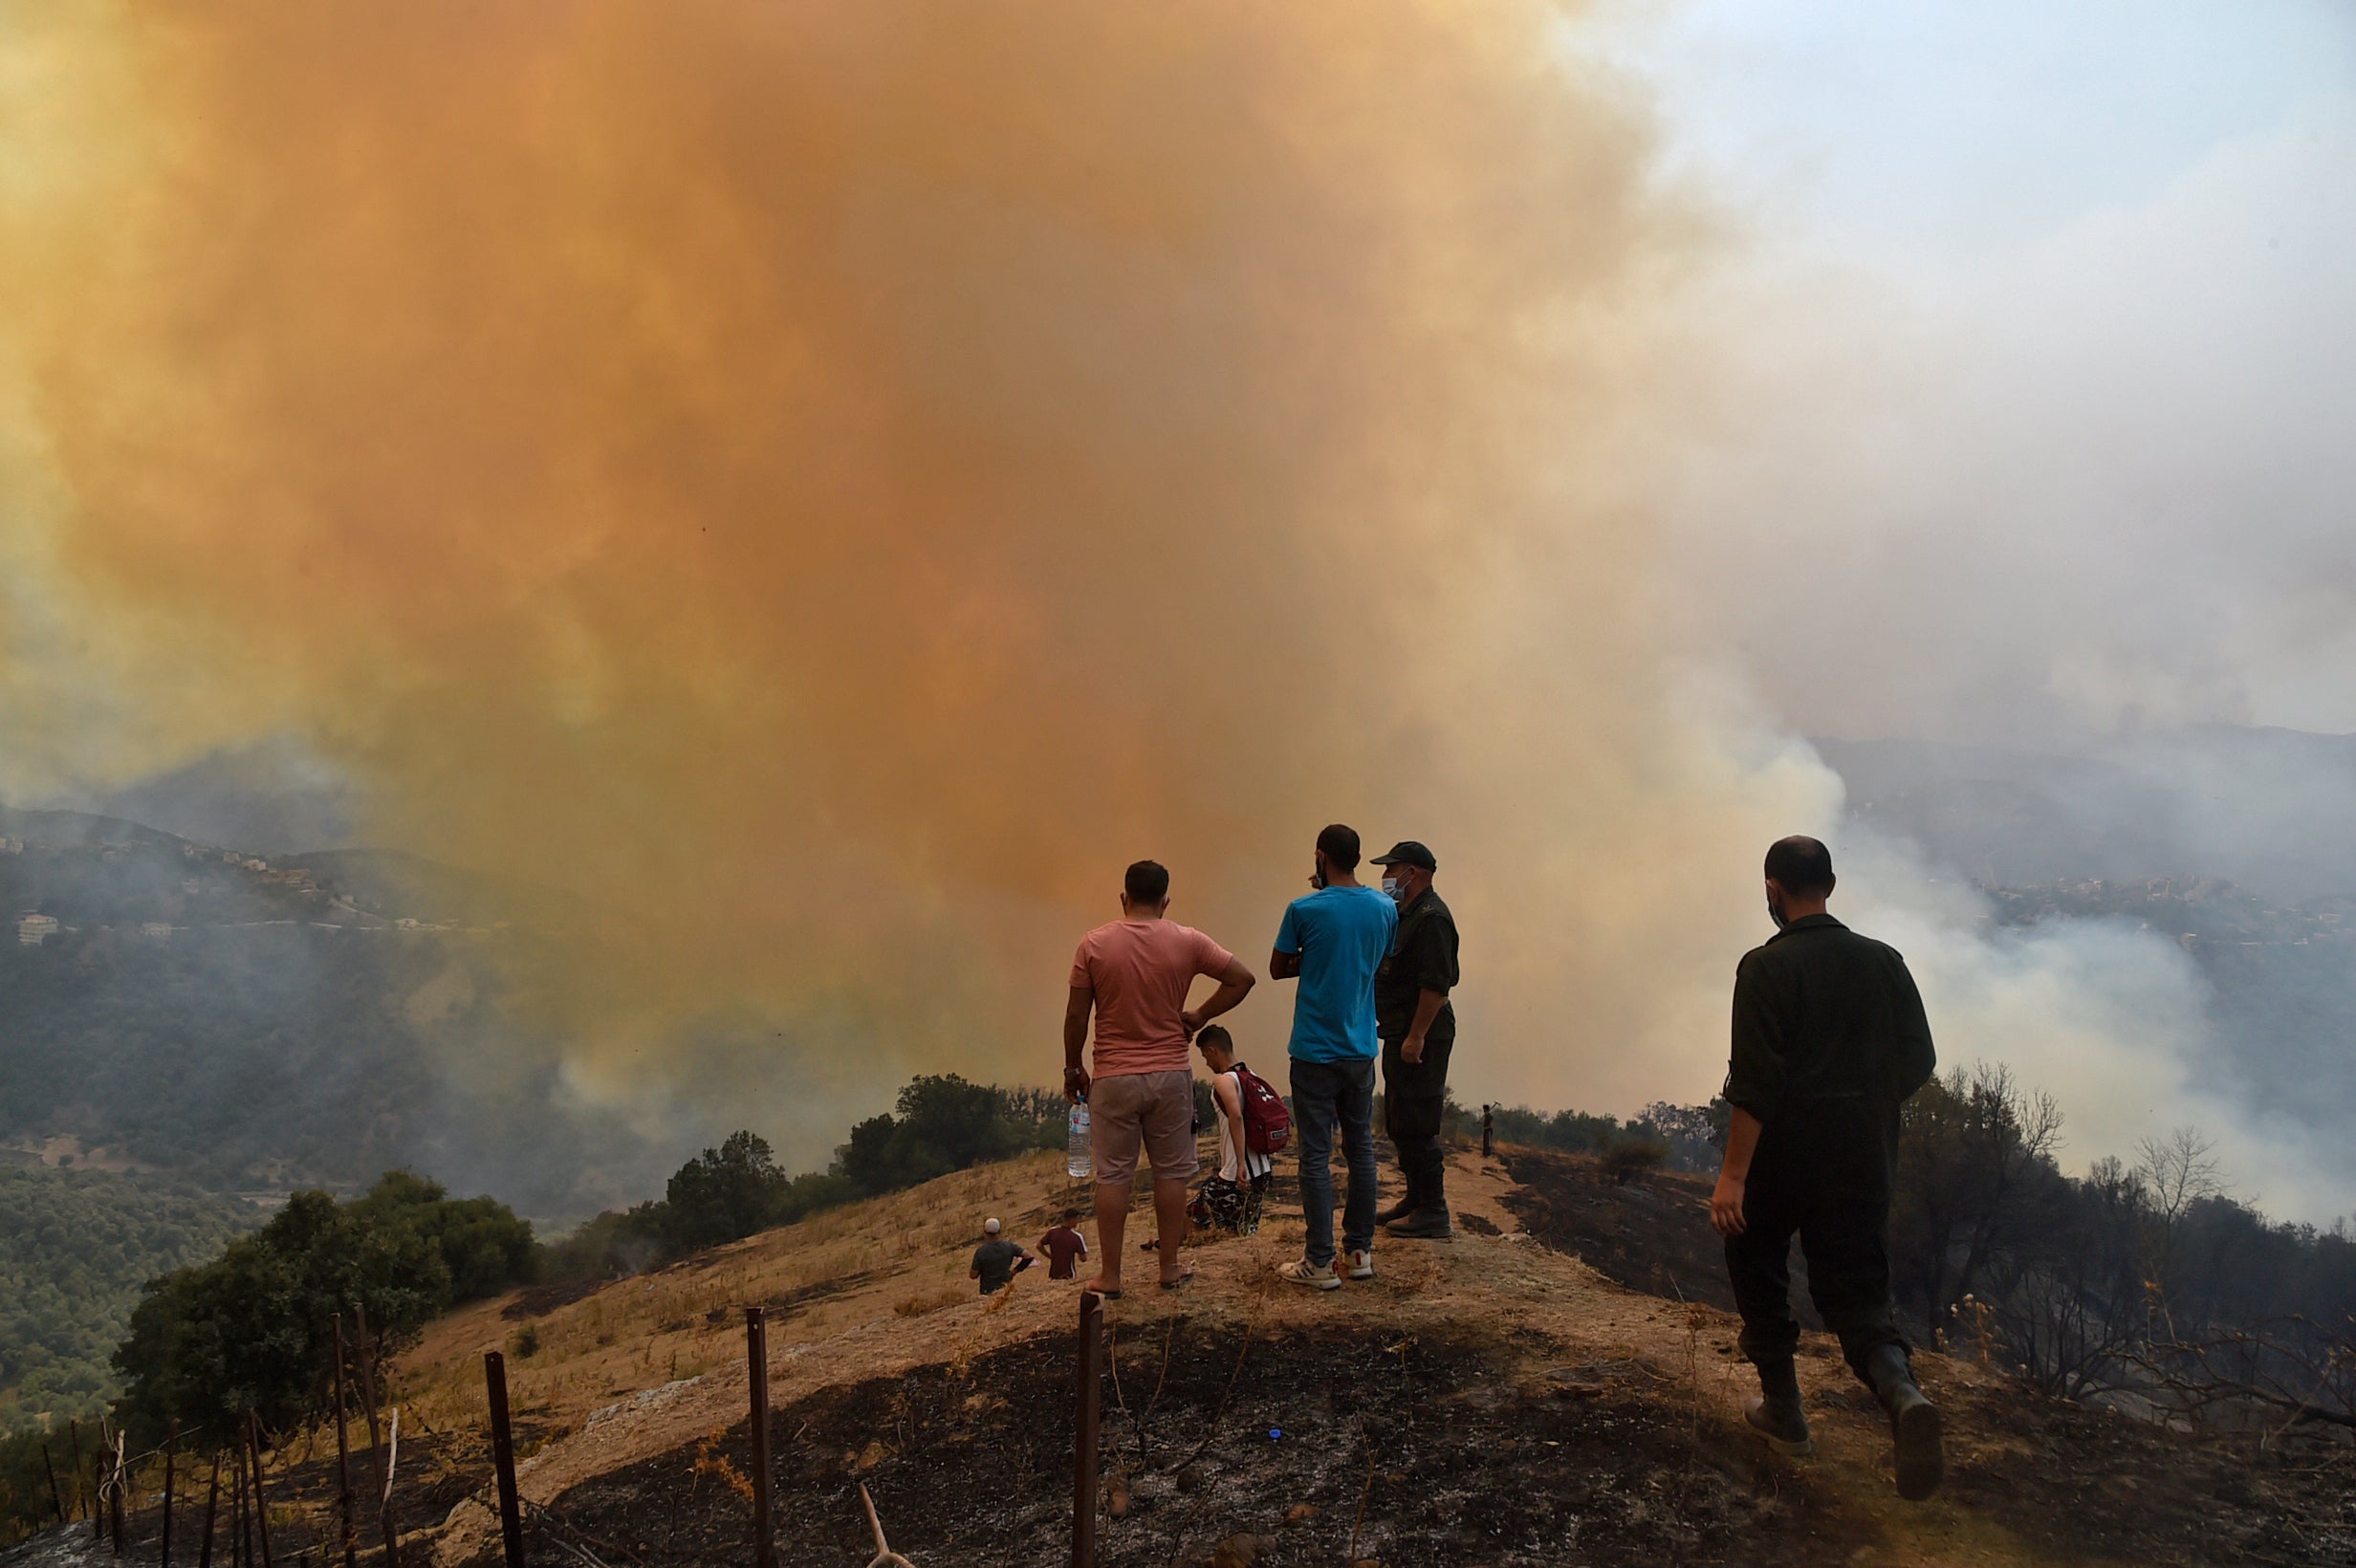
(2093, 1485)
(1452, 1458)
(2079, 1484)
(435, 1472)
(1491, 1446)
(1652, 1234)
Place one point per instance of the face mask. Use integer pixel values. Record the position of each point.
(1775, 912)
(1396, 889)
(1316, 876)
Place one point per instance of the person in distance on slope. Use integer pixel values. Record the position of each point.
(996, 1260)
(1134, 973)
(1829, 1040)
(1063, 1245)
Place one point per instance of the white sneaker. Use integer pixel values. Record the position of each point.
(1362, 1264)
(1302, 1271)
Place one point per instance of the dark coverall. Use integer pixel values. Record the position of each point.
(1423, 957)
(1829, 1040)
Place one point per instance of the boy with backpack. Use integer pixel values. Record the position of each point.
(1253, 1128)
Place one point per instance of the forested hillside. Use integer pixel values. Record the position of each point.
(256, 1025)
(75, 1247)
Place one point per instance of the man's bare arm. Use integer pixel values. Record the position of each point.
(1235, 983)
(1283, 966)
(1075, 1041)
(1726, 1215)
(1223, 1090)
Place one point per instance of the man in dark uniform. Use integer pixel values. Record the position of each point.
(1829, 1040)
(1418, 1026)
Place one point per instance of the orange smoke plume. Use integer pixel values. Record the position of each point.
(829, 485)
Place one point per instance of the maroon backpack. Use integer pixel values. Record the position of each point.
(1267, 1125)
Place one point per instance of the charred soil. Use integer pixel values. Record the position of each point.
(1489, 1402)
(1423, 1450)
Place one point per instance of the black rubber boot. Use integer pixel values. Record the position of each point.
(1776, 1416)
(1409, 1200)
(1429, 1222)
(1913, 1422)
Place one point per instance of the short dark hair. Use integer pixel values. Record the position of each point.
(1339, 845)
(1214, 1037)
(1147, 881)
(1802, 864)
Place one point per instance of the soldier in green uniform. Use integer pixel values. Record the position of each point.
(1418, 1027)
(1829, 1040)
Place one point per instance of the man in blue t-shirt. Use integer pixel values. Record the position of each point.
(1333, 941)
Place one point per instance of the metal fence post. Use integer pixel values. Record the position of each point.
(171, 1453)
(757, 1369)
(1084, 1434)
(503, 1458)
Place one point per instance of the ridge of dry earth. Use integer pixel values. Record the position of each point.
(874, 1327)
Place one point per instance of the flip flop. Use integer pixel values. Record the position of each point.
(1173, 1284)
(1098, 1291)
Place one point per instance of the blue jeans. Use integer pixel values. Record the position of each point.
(1324, 1094)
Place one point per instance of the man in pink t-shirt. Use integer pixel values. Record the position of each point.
(1135, 974)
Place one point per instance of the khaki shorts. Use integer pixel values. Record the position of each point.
(1156, 1109)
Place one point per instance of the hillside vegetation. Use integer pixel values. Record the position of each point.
(75, 1247)
(1494, 1401)
(251, 1331)
(257, 1027)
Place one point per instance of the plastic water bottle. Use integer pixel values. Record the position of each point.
(1077, 1158)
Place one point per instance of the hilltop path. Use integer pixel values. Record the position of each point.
(1491, 1401)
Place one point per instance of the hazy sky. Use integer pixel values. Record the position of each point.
(835, 504)
(2044, 316)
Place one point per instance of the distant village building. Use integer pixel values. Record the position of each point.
(31, 929)
(158, 928)
(11, 846)
(190, 887)
(230, 857)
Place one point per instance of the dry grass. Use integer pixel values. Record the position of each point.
(889, 1292)
(904, 1255)
(917, 1306)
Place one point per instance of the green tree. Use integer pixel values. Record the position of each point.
(944, 1124)
(483, 1243)
(251, 1330)
(725, 1193)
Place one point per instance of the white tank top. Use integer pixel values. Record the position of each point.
(1255, 1165)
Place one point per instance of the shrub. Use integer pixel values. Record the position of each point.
(1631, 1157)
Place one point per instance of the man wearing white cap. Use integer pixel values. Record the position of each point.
(996, 1260)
